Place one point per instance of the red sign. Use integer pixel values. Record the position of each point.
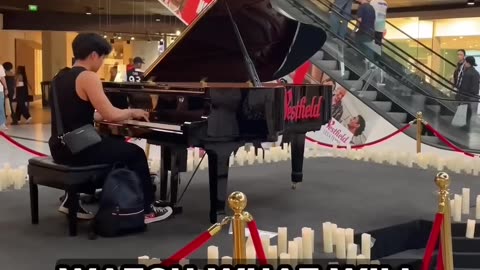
(302, 110)
(186, 10)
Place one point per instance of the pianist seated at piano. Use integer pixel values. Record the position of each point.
(81, 99)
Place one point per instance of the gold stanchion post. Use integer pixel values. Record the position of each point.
(419, 131)
(442, 180)
(237, 202)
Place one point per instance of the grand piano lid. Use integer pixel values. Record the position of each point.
(208, 49)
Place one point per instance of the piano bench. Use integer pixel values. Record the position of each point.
(73, 180)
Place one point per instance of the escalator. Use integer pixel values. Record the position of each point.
(393, 83)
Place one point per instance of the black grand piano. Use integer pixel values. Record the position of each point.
(215, 88)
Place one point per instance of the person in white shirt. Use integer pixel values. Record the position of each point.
(380, 7)
(3, 93)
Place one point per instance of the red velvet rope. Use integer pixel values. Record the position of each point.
(188, 249)
(447, 142)
(257, 242)
(20, 146)
(366, 144)
(440, 265)
(30, 150)
(432, 241)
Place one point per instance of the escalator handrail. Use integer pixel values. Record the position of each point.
(401, 31)
(448, 87)
(449, 83)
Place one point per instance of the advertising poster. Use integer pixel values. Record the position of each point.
(186, 10)
(352, 121)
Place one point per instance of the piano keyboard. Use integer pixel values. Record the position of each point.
(168, 127)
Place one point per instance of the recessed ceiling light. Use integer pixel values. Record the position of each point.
(471, 2)
(178, 33)
(157, 20)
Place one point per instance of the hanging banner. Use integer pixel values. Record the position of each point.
(186, 10)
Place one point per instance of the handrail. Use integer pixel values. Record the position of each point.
(399, 49)
(413, 64)
(410, 37)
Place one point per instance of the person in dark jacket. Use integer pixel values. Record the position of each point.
(11, 85)
(469, 84)
(458, 73)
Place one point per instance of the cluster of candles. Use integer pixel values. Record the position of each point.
(297, 251)
(12, 177)
(341, 242)
(243, 156)
(460, 205)
(247, 156)
(456, 164)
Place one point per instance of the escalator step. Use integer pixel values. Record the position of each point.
(368, 95)
(328, 64)
(398, 116)
(385, 106)
(434, 108)
(356, 85)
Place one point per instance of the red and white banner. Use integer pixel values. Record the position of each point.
(186, 10)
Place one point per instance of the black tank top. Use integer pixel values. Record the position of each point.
(75, 112)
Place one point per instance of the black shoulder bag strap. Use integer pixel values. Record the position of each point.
(56, 110)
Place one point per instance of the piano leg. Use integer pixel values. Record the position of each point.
(218, 165)
(298, 149)
(175, 179)
(164, 166)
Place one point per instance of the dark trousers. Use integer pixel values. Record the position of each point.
(22, 104)
(113, 150)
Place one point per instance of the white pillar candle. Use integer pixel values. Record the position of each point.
(190, 160)
(465, 201)
(351, 253)
(19, 179)
(299, 242)
(477, 214)
(375, 262)
(268, 156)
(334, 233)
(452, 208)
(184, 262)
(249, 242)
(272, 255)
(196, 156)
(143, 260)
(231, 160)
(260, 155)
(366, 245)
(227, 260)
(265, 243)
(307, 238)
(251, 157)
(361, 259)
(458, 208)
(284, 258)
(470, 229)
(340, 244)
(213, 255)
(349, 236)
(327, 237)
(293, 252)
(282, 240)
(251, 255)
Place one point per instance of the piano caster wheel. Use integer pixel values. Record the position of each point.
(294, 186)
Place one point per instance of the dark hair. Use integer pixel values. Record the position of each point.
(361, 123)
(21, 71)
(463, 51)
(86, 43)
(7, 66)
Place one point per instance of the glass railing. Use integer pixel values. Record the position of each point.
(408, 89)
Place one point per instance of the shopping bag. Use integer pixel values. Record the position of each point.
(8, 110)
(460, 118)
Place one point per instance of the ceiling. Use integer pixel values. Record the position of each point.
(113, 7)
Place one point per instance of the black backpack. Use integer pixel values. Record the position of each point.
(121, 206)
